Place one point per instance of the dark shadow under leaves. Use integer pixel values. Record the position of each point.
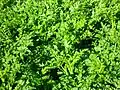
(84, 44)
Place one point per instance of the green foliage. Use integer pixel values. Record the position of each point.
(59, 44)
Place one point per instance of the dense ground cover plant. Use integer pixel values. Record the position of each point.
(59, 44)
